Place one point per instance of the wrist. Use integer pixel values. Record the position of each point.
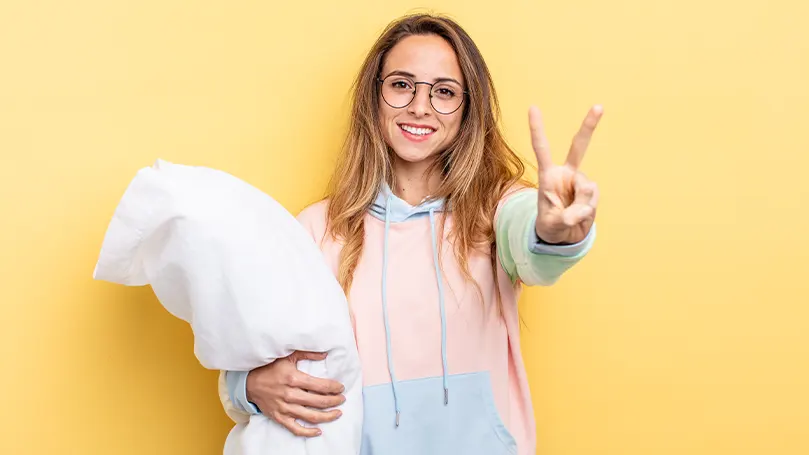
(248, 386)
(549, 239)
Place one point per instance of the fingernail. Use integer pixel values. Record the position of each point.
(586, 211)
(598, 109)
(319, 432)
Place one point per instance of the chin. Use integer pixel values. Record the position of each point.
(412, 154)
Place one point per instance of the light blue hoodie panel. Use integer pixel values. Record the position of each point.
(469, 424)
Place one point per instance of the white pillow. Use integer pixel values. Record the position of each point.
(239, 268)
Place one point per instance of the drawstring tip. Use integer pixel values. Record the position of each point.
(446, 396)
(397, 418)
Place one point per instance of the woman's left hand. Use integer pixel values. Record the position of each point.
(567, 199)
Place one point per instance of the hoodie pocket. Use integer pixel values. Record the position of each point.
(469, 424)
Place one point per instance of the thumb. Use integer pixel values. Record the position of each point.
(577, 213)
(306, 355)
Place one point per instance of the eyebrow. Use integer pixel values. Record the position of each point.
(413, 76)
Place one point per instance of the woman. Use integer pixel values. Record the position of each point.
(430, 230)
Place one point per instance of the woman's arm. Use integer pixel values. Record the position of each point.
(561, 212)
(523, 254)
(282, 393)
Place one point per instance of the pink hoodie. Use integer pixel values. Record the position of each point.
(443, 371)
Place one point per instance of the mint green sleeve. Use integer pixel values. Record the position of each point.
(522, 254)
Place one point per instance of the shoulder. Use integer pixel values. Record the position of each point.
(314, 212)
(518, 190)
(314, 218)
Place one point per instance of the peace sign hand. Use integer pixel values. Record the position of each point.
(567, 199)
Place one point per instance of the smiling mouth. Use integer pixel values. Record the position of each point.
(417, 131)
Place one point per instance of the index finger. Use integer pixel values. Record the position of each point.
(538, 139)
(317, 385)
(582, 139)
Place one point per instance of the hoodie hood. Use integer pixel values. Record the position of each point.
(399, 210)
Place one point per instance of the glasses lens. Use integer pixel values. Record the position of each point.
(446, 97)
(398, 91)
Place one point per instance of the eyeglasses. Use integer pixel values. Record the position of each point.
(399, 91)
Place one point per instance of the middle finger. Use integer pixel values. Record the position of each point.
(315, 400)
(582, 139)
(319, 385)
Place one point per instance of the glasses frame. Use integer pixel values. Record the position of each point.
(415, 89)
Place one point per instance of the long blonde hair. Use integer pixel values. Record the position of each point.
(477, 169)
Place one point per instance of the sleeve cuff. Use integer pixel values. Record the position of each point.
(237, 388)
(538, 246)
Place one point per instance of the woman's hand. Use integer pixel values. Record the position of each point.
(567, 199)
(284, 394)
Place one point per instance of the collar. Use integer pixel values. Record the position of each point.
(399, 209)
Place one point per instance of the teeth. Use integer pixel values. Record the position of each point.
(416, 131)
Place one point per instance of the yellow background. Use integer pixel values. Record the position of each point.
(686, 331)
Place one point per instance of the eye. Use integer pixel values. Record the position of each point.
(401, 84)
(444, 93)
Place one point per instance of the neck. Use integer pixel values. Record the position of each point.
(412, 184)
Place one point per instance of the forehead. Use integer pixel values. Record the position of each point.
(428, 57)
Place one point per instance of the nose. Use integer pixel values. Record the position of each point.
(420, 106)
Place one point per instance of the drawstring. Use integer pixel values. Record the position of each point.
(393, 381)
(385, 310)
(441, 304)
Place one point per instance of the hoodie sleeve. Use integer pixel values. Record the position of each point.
(233, 396)
(522, 254)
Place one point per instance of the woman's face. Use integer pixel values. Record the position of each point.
(418, 132)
